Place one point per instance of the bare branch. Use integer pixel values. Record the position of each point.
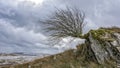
(69, 22)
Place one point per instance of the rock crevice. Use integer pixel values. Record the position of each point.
(104, 45)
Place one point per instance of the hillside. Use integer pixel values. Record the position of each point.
(100, 50)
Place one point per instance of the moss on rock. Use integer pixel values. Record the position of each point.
(101, 34)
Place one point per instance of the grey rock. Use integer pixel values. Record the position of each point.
(105, 50)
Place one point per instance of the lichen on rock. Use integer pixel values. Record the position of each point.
(103, 44)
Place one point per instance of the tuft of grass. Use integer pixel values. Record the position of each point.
(114, 29)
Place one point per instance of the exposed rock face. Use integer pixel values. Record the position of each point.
(116, 42)
(104, 45)
(99, 52)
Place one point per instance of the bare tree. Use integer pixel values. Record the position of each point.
(68, 22)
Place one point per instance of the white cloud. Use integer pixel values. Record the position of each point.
(37, 1)
(18, 39)
(20, 27)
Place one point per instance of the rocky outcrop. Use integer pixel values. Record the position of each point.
(104, 45)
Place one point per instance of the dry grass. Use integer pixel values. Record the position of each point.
(114, 28)
(67, 59)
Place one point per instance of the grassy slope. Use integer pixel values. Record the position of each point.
(67, 59)
(62, 60)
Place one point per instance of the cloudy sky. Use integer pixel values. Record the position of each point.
(21, 31)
